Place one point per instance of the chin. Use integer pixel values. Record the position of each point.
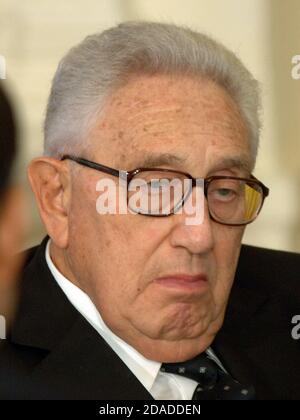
(179, 351)
(176, 349)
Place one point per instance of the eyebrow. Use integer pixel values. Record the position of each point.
(238, 162)
(153, 160)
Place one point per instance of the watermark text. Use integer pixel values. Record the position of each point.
(2, 328)
(295, 72)
(2, 67)
(296, 328)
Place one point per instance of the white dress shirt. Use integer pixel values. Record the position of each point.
(161, 385)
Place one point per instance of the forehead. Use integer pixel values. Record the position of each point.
(190, 118)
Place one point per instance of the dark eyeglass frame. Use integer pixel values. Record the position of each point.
(128, 175)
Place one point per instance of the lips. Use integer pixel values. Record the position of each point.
(184, 281)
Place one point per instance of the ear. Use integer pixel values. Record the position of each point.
(51, 184)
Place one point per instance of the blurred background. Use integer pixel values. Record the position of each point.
(34, 35)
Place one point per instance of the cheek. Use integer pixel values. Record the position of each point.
(119, 249)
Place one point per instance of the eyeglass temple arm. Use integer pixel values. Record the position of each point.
(93, 165)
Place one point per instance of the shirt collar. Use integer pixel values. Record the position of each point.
(145, 370)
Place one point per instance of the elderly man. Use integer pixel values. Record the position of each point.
(138, 301)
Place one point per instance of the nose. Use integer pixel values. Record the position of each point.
(196, 238)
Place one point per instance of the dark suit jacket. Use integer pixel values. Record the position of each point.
(53, 352)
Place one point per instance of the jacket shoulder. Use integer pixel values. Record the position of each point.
(262, 261)
(276, 272)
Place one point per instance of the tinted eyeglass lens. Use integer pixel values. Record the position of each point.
(234, 201)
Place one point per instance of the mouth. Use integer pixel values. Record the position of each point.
(186, 282)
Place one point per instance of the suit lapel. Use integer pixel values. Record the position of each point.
(83, 366)
(78, 363)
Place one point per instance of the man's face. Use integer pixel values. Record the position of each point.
(136, 268)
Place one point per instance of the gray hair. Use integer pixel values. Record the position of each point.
(102, 62)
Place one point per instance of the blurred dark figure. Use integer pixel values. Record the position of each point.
(12, 219)
(13, 222)
(7, 139)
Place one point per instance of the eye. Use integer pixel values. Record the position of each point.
(224, 195)
(225, 192)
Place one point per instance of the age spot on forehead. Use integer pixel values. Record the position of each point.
(164, 114)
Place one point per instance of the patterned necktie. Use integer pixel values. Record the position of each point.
(213, 382)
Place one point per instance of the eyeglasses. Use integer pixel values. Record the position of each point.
(231, 200)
